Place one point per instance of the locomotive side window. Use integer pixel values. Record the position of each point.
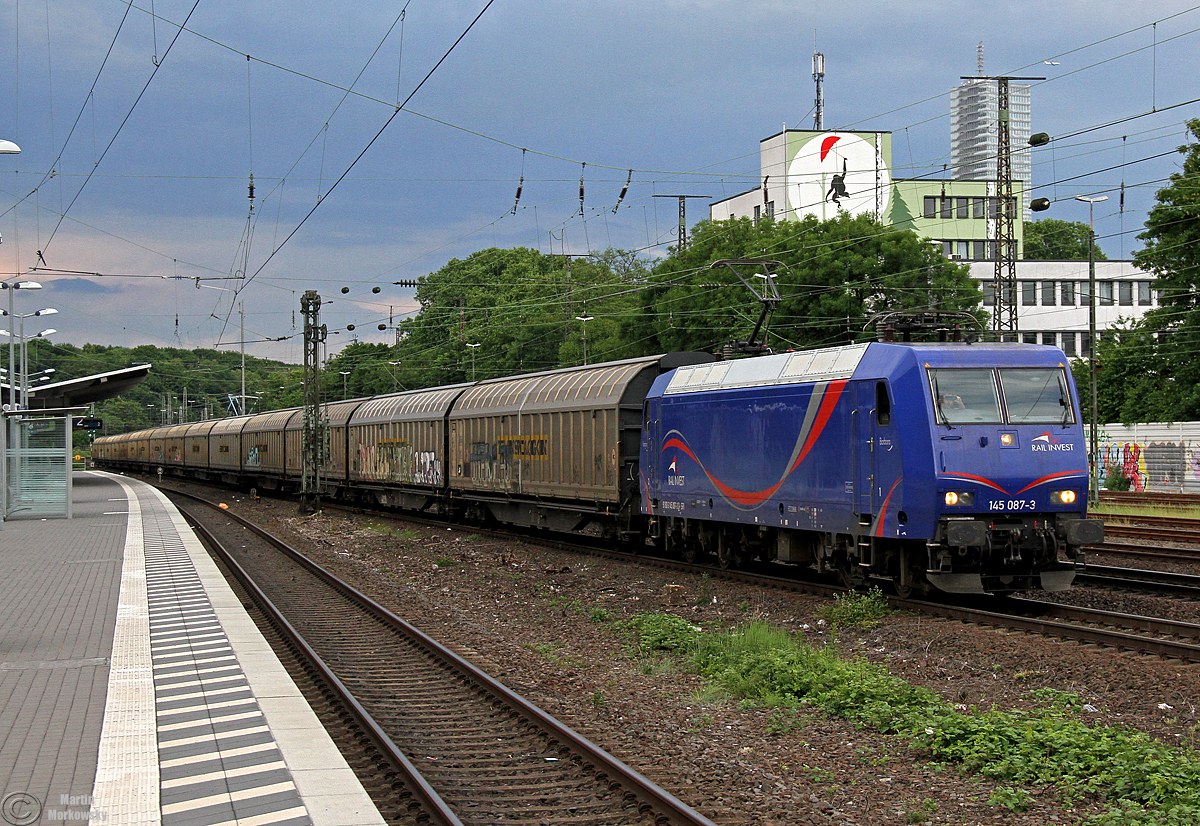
(1037, 396)
(883, 407)
(965, 395)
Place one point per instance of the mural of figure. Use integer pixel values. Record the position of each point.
(837, 188)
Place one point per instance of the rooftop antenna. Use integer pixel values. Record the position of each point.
(818, 73)
(979, 59)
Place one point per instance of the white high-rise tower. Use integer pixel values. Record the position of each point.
(974, 131)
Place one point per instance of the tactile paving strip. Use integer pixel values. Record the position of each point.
(219, 762)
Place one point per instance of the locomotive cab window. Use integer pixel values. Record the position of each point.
(965, 396)
(1037, 396)
(883, 407)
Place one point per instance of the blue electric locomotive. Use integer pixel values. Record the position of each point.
(955, 467)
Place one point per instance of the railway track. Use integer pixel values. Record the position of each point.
(1125, 632)
(1159, 582)
(466, 749)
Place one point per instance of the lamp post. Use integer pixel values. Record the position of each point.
(472, 346)
(585, 318)
(22, 401)
(21, 285)
(1094, 452)
(344, 374)
(394, 364)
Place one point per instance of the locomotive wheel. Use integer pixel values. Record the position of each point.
(726, 553)
(691, 550)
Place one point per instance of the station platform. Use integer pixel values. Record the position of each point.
(135, 689)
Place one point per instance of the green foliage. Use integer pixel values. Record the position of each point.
(1053, 240)
(838, 273)
(663, 632)
(1012, 798)
(850, 609)
(1148, 782)
(1157, 360)
(522, 308)
(1115, 479)
(599, 615)
(207, 377)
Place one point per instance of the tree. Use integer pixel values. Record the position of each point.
(522, 308)
(837, 274)
(1052, 240)
(1172, 253)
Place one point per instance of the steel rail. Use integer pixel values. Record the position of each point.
(648, 792)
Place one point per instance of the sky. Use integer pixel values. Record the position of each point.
(139, 138)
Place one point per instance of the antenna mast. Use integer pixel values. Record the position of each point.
(818, 73)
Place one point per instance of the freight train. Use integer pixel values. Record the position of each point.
(936, 467)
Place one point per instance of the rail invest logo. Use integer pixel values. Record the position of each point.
(1046, 442)
(20, 808)
(673, 477)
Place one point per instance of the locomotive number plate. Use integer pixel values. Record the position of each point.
(1013, 505)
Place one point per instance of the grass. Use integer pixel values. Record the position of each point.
(391, 530)
(1144, 782)
(1134, 509)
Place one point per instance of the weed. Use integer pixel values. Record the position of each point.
(663, 632)
(850, 609)
(922, 813)
(598, 701)
(599, 615)
(446, 562)
(744, 606)
(1013, 799)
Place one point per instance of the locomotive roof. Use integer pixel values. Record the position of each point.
(832, 363)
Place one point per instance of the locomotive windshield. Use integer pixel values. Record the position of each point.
(1032, 395)
(1037, 396)
(966, 395)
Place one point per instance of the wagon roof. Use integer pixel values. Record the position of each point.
(600, 385)
(415, 405)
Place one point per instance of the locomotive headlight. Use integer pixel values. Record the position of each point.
(1008, 439)
(1063, 497)
(965, 497)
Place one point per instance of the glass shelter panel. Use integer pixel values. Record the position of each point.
(38, 467)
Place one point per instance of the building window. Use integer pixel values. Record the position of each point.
(1068, 344)
(1047, 293)
(1143, 293)
(961, 250)
(1049, 338)
(947, 207)
(1028, 293)
(1085, 293)
(989, 294)
(1068, 293)
(962, 207)
(930, 206)
(757, 213)
(978, 207)
(770, 209)
(980, 250)
(1125, 293)
(1029, 338)
(1104, 292)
